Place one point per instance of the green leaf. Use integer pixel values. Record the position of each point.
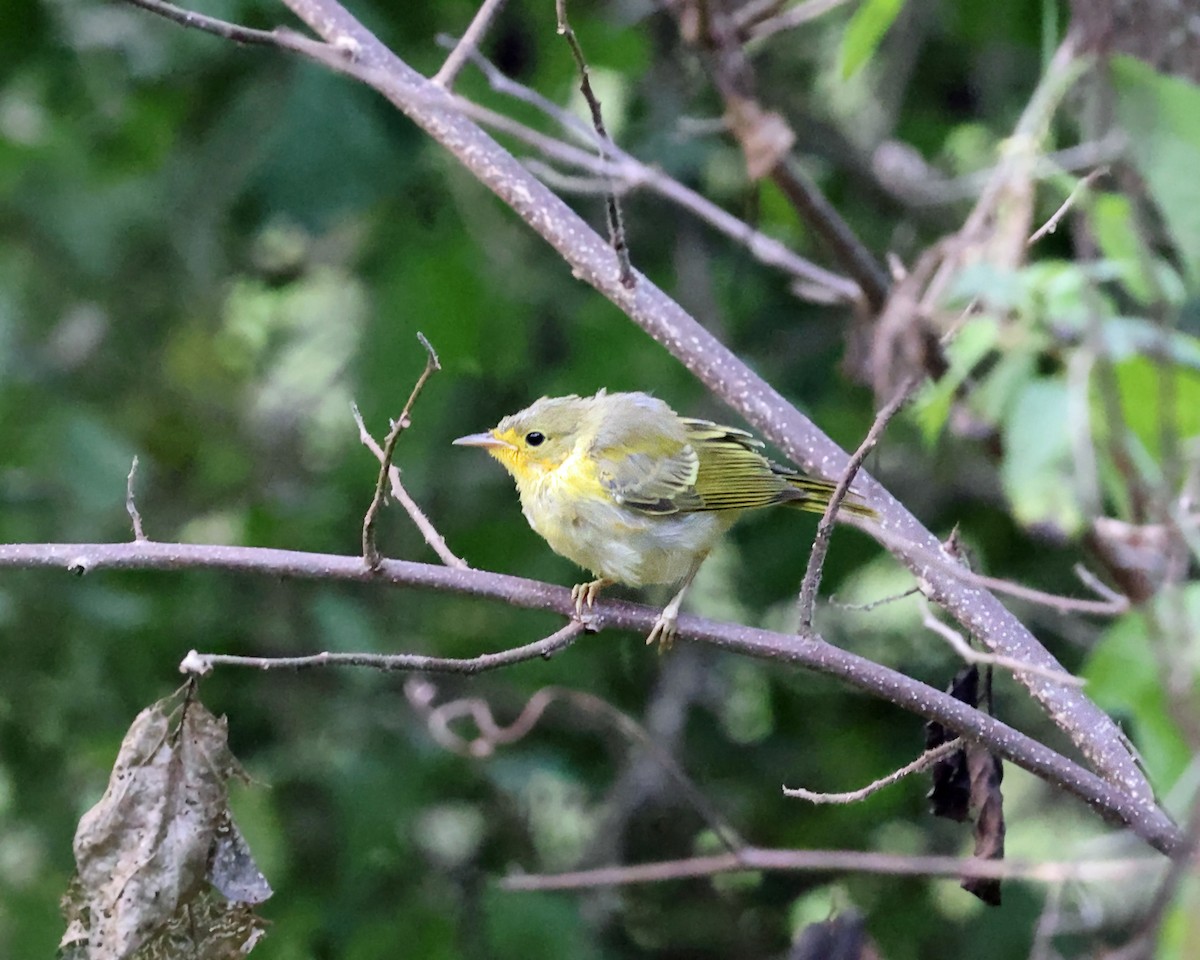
(1161, 117)
(1124, 677)
(1119, 240)
(864, 32)
(1139, 384)
(931, 406)
(1037, 467)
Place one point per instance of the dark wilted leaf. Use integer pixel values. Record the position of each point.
(986, 772)
(950, 795)
(143, 853)
(842, 938)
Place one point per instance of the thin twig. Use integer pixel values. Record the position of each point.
(612, 206)
(203, 663)
(872, 604)
(370, 551)
(1095, 584)
(1113, 604)
(588, 186)
(924, 761)
(1074, 159)
(820, 547)
(838, 862)
(131, 504)
(468, 44)
(1051, 225)
(401, 495)
(220, 28)
(964, 650)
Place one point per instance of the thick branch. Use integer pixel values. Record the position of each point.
(1143, 817)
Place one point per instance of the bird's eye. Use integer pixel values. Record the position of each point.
(535, 438)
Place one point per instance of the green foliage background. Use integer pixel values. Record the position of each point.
(207, 252)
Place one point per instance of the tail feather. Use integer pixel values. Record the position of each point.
(814, 496)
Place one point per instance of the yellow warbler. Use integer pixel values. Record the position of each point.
(625, 487)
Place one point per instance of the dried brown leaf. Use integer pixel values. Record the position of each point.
(143, 853)
(986, 773)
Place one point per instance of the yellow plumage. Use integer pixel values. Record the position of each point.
(625, 487)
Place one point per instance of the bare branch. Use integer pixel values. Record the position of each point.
(839, 861)
(811, 652)
(766, 140)
(873, 604)
(487, 12)
(131, 504)
(1145, 941)
(202, 663)
(923, 762)
(963, 649)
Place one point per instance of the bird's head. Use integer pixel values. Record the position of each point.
(538, 439)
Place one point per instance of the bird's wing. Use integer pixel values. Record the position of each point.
(644, 460)
(733, 474)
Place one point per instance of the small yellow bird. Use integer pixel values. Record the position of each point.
(622, 485)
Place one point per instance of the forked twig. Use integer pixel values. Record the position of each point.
(390, 474)
(964, 650)
(202, 663)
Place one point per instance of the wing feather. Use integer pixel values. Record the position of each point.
(644, 458)
(653, 461)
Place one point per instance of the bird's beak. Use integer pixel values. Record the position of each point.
(485, 440)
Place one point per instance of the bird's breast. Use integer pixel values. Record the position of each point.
(582, 522)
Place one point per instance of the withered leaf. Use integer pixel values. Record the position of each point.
(950, 795)
(143, 853)
(986, 772)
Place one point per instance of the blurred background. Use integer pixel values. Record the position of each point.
(207, 252)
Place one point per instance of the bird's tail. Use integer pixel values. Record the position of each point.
(814, 496)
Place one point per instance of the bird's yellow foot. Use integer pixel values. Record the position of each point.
(584, 594)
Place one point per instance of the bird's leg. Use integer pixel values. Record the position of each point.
(664, 627)
(584, 594)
